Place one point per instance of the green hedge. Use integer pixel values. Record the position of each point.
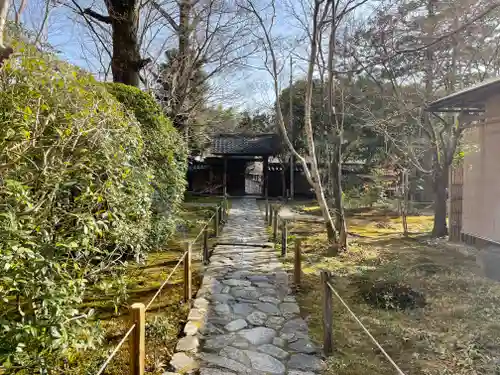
(166, 153)
(75, 204)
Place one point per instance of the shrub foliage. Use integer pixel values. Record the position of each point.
(75, 196)
(166, 154)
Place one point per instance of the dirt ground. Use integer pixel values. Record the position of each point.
(457, 331)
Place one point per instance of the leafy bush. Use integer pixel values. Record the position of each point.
(166, 153)
(75, 199)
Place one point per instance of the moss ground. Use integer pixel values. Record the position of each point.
(457, 332)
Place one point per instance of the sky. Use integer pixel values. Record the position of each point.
(248, 87)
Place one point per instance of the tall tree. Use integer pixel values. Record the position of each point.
(123, 18)
(426, 49)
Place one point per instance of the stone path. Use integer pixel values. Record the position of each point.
(245, 319)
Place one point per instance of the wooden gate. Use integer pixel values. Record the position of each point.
(456, 193)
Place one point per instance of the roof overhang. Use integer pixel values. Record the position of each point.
(470, 100)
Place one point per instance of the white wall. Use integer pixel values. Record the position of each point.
(481, 191)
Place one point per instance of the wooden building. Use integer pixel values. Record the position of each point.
(222, 171)
(474, 191)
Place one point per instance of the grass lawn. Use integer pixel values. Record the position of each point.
(167, 315)
(458, 330)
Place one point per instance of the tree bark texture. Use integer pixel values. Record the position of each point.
(126, 60)
(5, 51)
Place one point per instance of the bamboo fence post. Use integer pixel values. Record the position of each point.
(187, 275)
(205, 246)
(284, 237)
(327, 313)
(297, 263)
(138, 339)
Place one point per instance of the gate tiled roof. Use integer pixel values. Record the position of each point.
(246, 144)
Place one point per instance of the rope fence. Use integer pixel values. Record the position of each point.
(277, 223)
(136, 332)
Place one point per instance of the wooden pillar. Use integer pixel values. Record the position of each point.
(216, 222)
(327, 313)
(224, 177)
(187, 275)
(205, 246)
(292, 177)
(284, 237)
(297, 264)
(265, 168)
(137, 343)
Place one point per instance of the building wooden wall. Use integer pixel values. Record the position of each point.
(481, 177)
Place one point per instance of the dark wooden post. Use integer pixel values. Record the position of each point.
(297, 263)
(266, 174)
(275, 225)
(292, 177)
(216, 222)
(271, 212)
(284, 237)
(327, 313)
(187, 275)
(224, 177)
(267, 210)
(137, 343)
(205, 246)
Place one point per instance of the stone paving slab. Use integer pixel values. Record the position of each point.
(245, 319)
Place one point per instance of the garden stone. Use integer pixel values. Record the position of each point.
(200, 303)
(273, 351)
(187, 344)
(183, 363)
(222, 298)
(236, 354)
(275, 322)
(240, 343)
(196, 314)
(235, 282)
(303, 346)
(305, 362)
(290, 337)
(278, 341)
(191, 328)
(289, 309)
(268, 308)
(257, 318)
(236, 325)
(214, 371)
(242, 309)
(222, 309)
(258, 335)
(294, 325)
(265, 363)
(269, 299)
(224, 362)
(219, 342)
(296, 372)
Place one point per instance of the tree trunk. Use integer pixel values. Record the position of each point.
(126, 61)
(404, 206)
(5, 51)
(440, 229)
(336, 183)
